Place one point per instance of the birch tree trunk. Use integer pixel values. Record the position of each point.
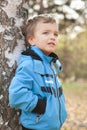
(12, 14)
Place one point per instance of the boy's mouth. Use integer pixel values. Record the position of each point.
(51, 43)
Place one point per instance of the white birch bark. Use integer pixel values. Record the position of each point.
(12, 14)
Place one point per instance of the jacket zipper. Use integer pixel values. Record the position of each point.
(57, 97)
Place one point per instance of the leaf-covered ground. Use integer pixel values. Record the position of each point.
(76, 102)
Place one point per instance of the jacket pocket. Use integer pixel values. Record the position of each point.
(51, 116)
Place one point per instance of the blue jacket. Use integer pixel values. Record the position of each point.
(36, 90)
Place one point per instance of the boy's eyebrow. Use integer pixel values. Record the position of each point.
(50, 30)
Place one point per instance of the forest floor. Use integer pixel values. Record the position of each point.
(76, 103)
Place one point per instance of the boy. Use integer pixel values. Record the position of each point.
(35, 88)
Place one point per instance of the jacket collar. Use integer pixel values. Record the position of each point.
(38, 54)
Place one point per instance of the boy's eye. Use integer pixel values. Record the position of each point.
(55, 34)
(45, 32)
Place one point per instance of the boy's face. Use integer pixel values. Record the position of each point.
(45, 37)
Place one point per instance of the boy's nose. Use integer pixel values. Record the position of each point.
(52, 37)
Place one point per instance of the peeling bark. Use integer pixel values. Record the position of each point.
(12, 14)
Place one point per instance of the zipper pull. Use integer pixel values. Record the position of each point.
(37, 119)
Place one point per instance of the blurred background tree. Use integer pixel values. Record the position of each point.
(72, 17)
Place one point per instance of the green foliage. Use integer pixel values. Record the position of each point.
(72, 54)
(80, 45)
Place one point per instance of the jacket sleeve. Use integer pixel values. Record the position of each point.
(20, 89)
(21, 95)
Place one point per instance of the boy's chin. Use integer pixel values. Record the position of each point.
(49, 52)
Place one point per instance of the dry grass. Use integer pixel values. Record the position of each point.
(76, 102)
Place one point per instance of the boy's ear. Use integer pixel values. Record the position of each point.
(30, 40)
